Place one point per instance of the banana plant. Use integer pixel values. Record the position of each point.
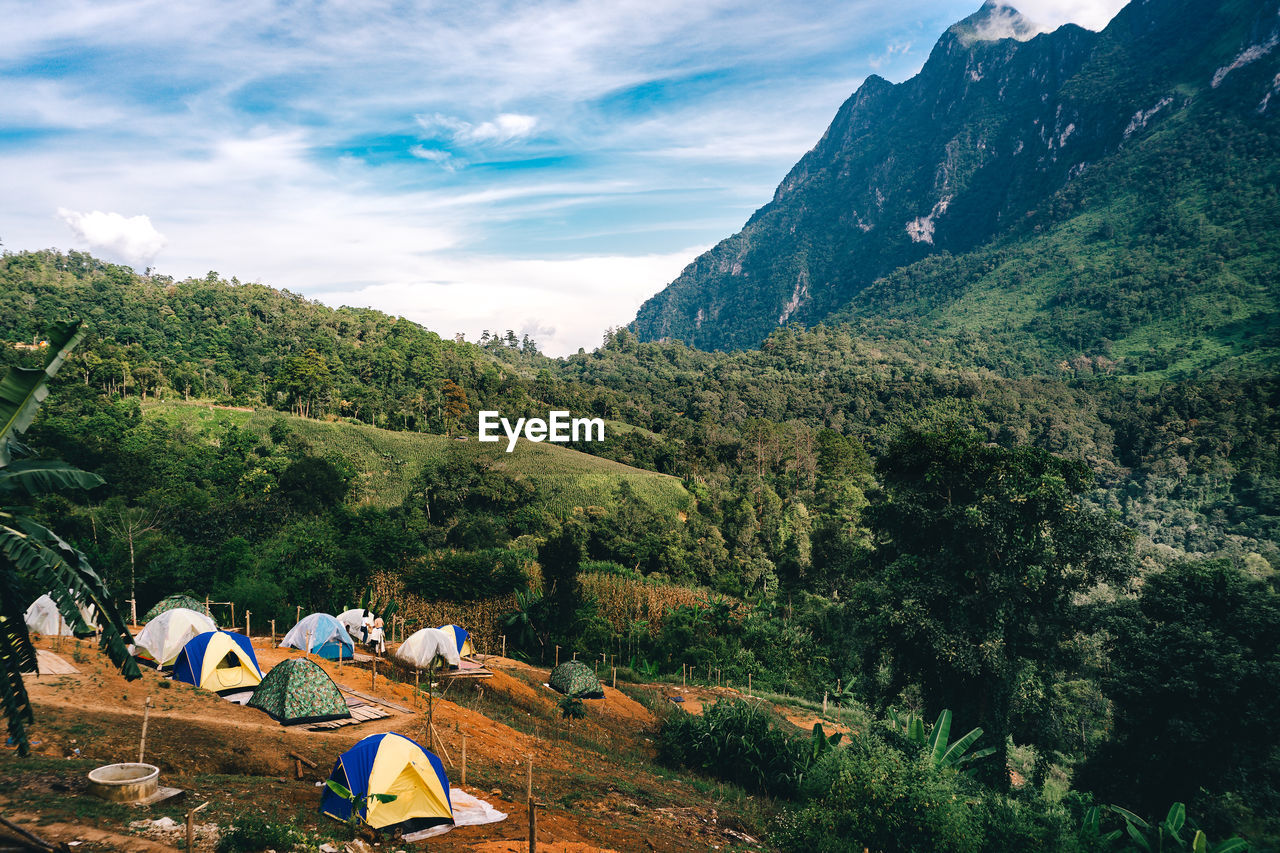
(359, 803)
(30, 551)
(939, 749)
(1168, 835)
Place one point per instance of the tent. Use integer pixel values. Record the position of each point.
(218, 661)
(426, 645)
(163, 638)
(391, 763)
(298, 690)
(575, 678)
(350, 620)
(461, 639)
(173, 602)
(320, 634)
(44, 617)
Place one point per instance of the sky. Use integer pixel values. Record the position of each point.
(543, 166)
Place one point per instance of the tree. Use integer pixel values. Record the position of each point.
(983, 552)
(455, 405)
(30, 551)
(130, 524)
(1195, 661)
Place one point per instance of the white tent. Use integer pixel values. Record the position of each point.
(43, 617)
(163, 637)
(350, 619)
(427, 645)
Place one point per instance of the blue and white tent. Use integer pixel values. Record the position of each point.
(461, 638)
(320, 634)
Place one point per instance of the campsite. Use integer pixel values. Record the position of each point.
(243, 762)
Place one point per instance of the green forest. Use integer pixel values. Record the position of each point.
(1080, 564)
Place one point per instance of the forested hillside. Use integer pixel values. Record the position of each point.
(1085, 200)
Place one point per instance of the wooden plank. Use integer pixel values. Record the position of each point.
(365, 696)
(50, 664)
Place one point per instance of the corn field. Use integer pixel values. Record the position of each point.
(626, 601)
(483, 619)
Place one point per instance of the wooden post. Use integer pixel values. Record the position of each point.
(824, 703)
(298, 614)
(146, 717)
(133, 611)
(533, 827)
(682, 669)
(504, 645)
(298, 761)
(373, 674)
(615, 678)
(748, 684)
(248, 632)
(273, 633)
(464, 760)
(206, 606)
(191, 827)
(415, 687)
(575, 656)
(557, 655)
(233, 613)
(528, 791)
(307, 653)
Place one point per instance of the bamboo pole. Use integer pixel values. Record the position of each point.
(557, 655)
(373, 674)
(415, 687)
(615, 678)
(824, 703)
(248, 632)
(504, 645)
(233, 613)
(191, 826)
(748, 684)
(528, 790)
(464, 759)
(297, 616)
(133, 611)
(146, 717)
(533, 827)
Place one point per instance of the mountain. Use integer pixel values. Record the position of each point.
(1091, 159)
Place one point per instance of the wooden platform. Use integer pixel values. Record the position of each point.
(47, 663)
(361, 712)
(469, 669)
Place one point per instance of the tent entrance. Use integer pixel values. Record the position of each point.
(230, 671)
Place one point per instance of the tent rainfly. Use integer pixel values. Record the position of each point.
(321, 634)
(219, 661)
(44, 617)
(172, 603)
(297, 691)
(424, 646)
(461, 639)
(575, 678)
(163, 638)
(391, 763)
(350, 620)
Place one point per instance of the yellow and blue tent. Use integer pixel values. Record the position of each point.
(218, 661)
(462, 639)
(391, 763)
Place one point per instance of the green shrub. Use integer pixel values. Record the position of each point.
(253, 834)
(869, 794)
(736, 742)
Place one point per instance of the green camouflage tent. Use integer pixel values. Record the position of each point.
(299, 691)
(173, 602)
(575, 678)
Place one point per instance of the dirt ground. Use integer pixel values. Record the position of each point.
(594, 779)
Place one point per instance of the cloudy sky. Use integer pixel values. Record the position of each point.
(543, 165)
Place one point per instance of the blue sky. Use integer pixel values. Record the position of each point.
(543, 166)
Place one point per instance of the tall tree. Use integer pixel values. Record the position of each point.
(983, 554)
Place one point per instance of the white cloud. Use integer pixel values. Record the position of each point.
(1090, 14)
(507, 127)
(132, 240)
(439, 156)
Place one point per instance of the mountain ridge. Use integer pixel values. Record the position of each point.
(982, 142)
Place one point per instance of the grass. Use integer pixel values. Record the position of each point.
(388, 461)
